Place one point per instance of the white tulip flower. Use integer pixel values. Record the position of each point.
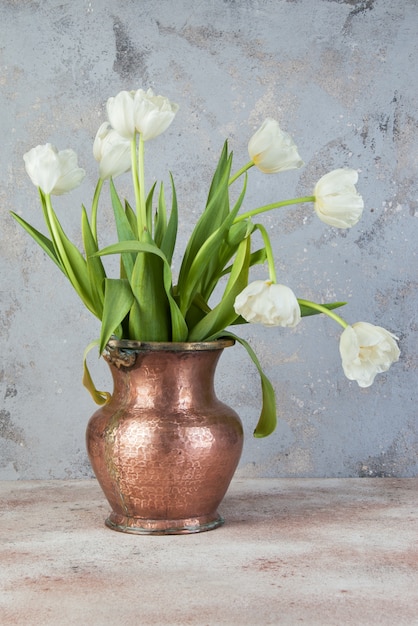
(112, 151)
(52, 171)
(337, 201)
(273, 150)
(153, 114)
(140, 111)
(267, 303)
(367, 350)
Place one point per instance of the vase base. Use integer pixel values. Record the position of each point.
(140, 526)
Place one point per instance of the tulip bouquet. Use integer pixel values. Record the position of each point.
(145, 303)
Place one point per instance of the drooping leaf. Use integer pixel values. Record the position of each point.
(268, 417)
(99, 397)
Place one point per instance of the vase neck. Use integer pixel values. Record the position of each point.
(182, 379)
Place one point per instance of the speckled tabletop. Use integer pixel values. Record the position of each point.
(311, 551)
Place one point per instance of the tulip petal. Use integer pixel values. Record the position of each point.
(43, 166)
(120, 111)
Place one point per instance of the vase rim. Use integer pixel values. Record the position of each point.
(170, 346)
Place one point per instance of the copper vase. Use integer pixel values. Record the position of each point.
(164, 449)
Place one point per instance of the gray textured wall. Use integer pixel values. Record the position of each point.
(341, 77)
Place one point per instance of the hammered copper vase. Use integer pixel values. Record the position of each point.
(164, 449)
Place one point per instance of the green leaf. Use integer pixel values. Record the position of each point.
(256, 258)
(224, 314)
(178, 324)
(267, 421)
(95, 267)
(160, 219)
(73, 262)
(306, 311)
(99, 397)
(149, 319)
(131, 216)
(45, 243)
(216, 210)
(123, 227)
(118, 299)
(209, 249)
(169, 240)
(234, 234)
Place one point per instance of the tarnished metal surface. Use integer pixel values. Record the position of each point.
(165, 448)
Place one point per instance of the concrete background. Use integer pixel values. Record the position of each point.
(340, 76)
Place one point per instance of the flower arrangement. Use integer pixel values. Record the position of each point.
(144, 303)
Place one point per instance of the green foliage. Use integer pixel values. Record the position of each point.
(144, 303)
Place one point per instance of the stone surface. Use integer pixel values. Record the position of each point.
(292, 551)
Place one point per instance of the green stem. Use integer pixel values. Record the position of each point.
(269, 252)
(240, 172)
(323, 309)
(274, 205)
(136, 185)
(146, 219)
(94, 208)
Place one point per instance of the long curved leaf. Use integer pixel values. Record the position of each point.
(99, 397)
(45, 243)
(267, 421)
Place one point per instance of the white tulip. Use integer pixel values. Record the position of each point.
(153, 114)
(337, 201)
(273, 150)
(112, 151)
(54, 172)
(120, 111)
(367, 350)
(140, 111)
(267, 303)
